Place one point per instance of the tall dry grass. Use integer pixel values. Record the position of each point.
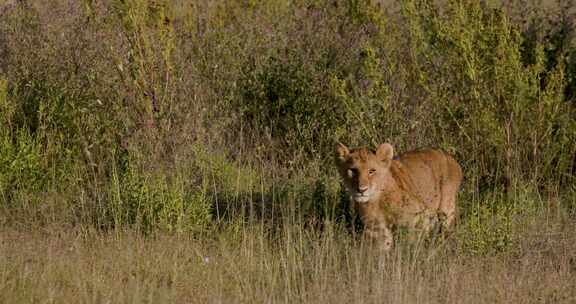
(85, 266)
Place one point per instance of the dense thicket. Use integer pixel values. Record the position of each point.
(177, 114)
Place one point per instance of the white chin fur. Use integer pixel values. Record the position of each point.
(361, 198)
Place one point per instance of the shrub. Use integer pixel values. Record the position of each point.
(272, 85)
(156, 200)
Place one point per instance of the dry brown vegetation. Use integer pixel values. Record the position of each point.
(181, 151)
(58, 265)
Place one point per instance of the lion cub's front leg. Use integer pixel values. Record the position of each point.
(380, 235)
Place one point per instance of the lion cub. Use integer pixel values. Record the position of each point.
(415, 190)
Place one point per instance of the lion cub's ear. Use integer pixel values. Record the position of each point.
(342, 152)
(385, 152)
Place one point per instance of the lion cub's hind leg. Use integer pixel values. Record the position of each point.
(448, 210)
(449, 190)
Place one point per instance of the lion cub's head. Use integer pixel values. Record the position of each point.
(364, 170)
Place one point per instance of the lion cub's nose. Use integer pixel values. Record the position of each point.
(362, 188)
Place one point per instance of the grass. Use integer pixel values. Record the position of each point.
(60, 264)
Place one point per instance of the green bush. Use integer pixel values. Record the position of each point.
(157, 114)
(21, 168)
(150, 201)
(37, 145)
(487, 229)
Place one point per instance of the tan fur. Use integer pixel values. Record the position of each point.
(415, 190)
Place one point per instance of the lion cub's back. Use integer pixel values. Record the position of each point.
(431, 169)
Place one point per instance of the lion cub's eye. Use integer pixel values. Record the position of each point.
(352, 172)
(371, 171)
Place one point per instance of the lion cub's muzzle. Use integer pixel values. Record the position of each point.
(362, 194)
